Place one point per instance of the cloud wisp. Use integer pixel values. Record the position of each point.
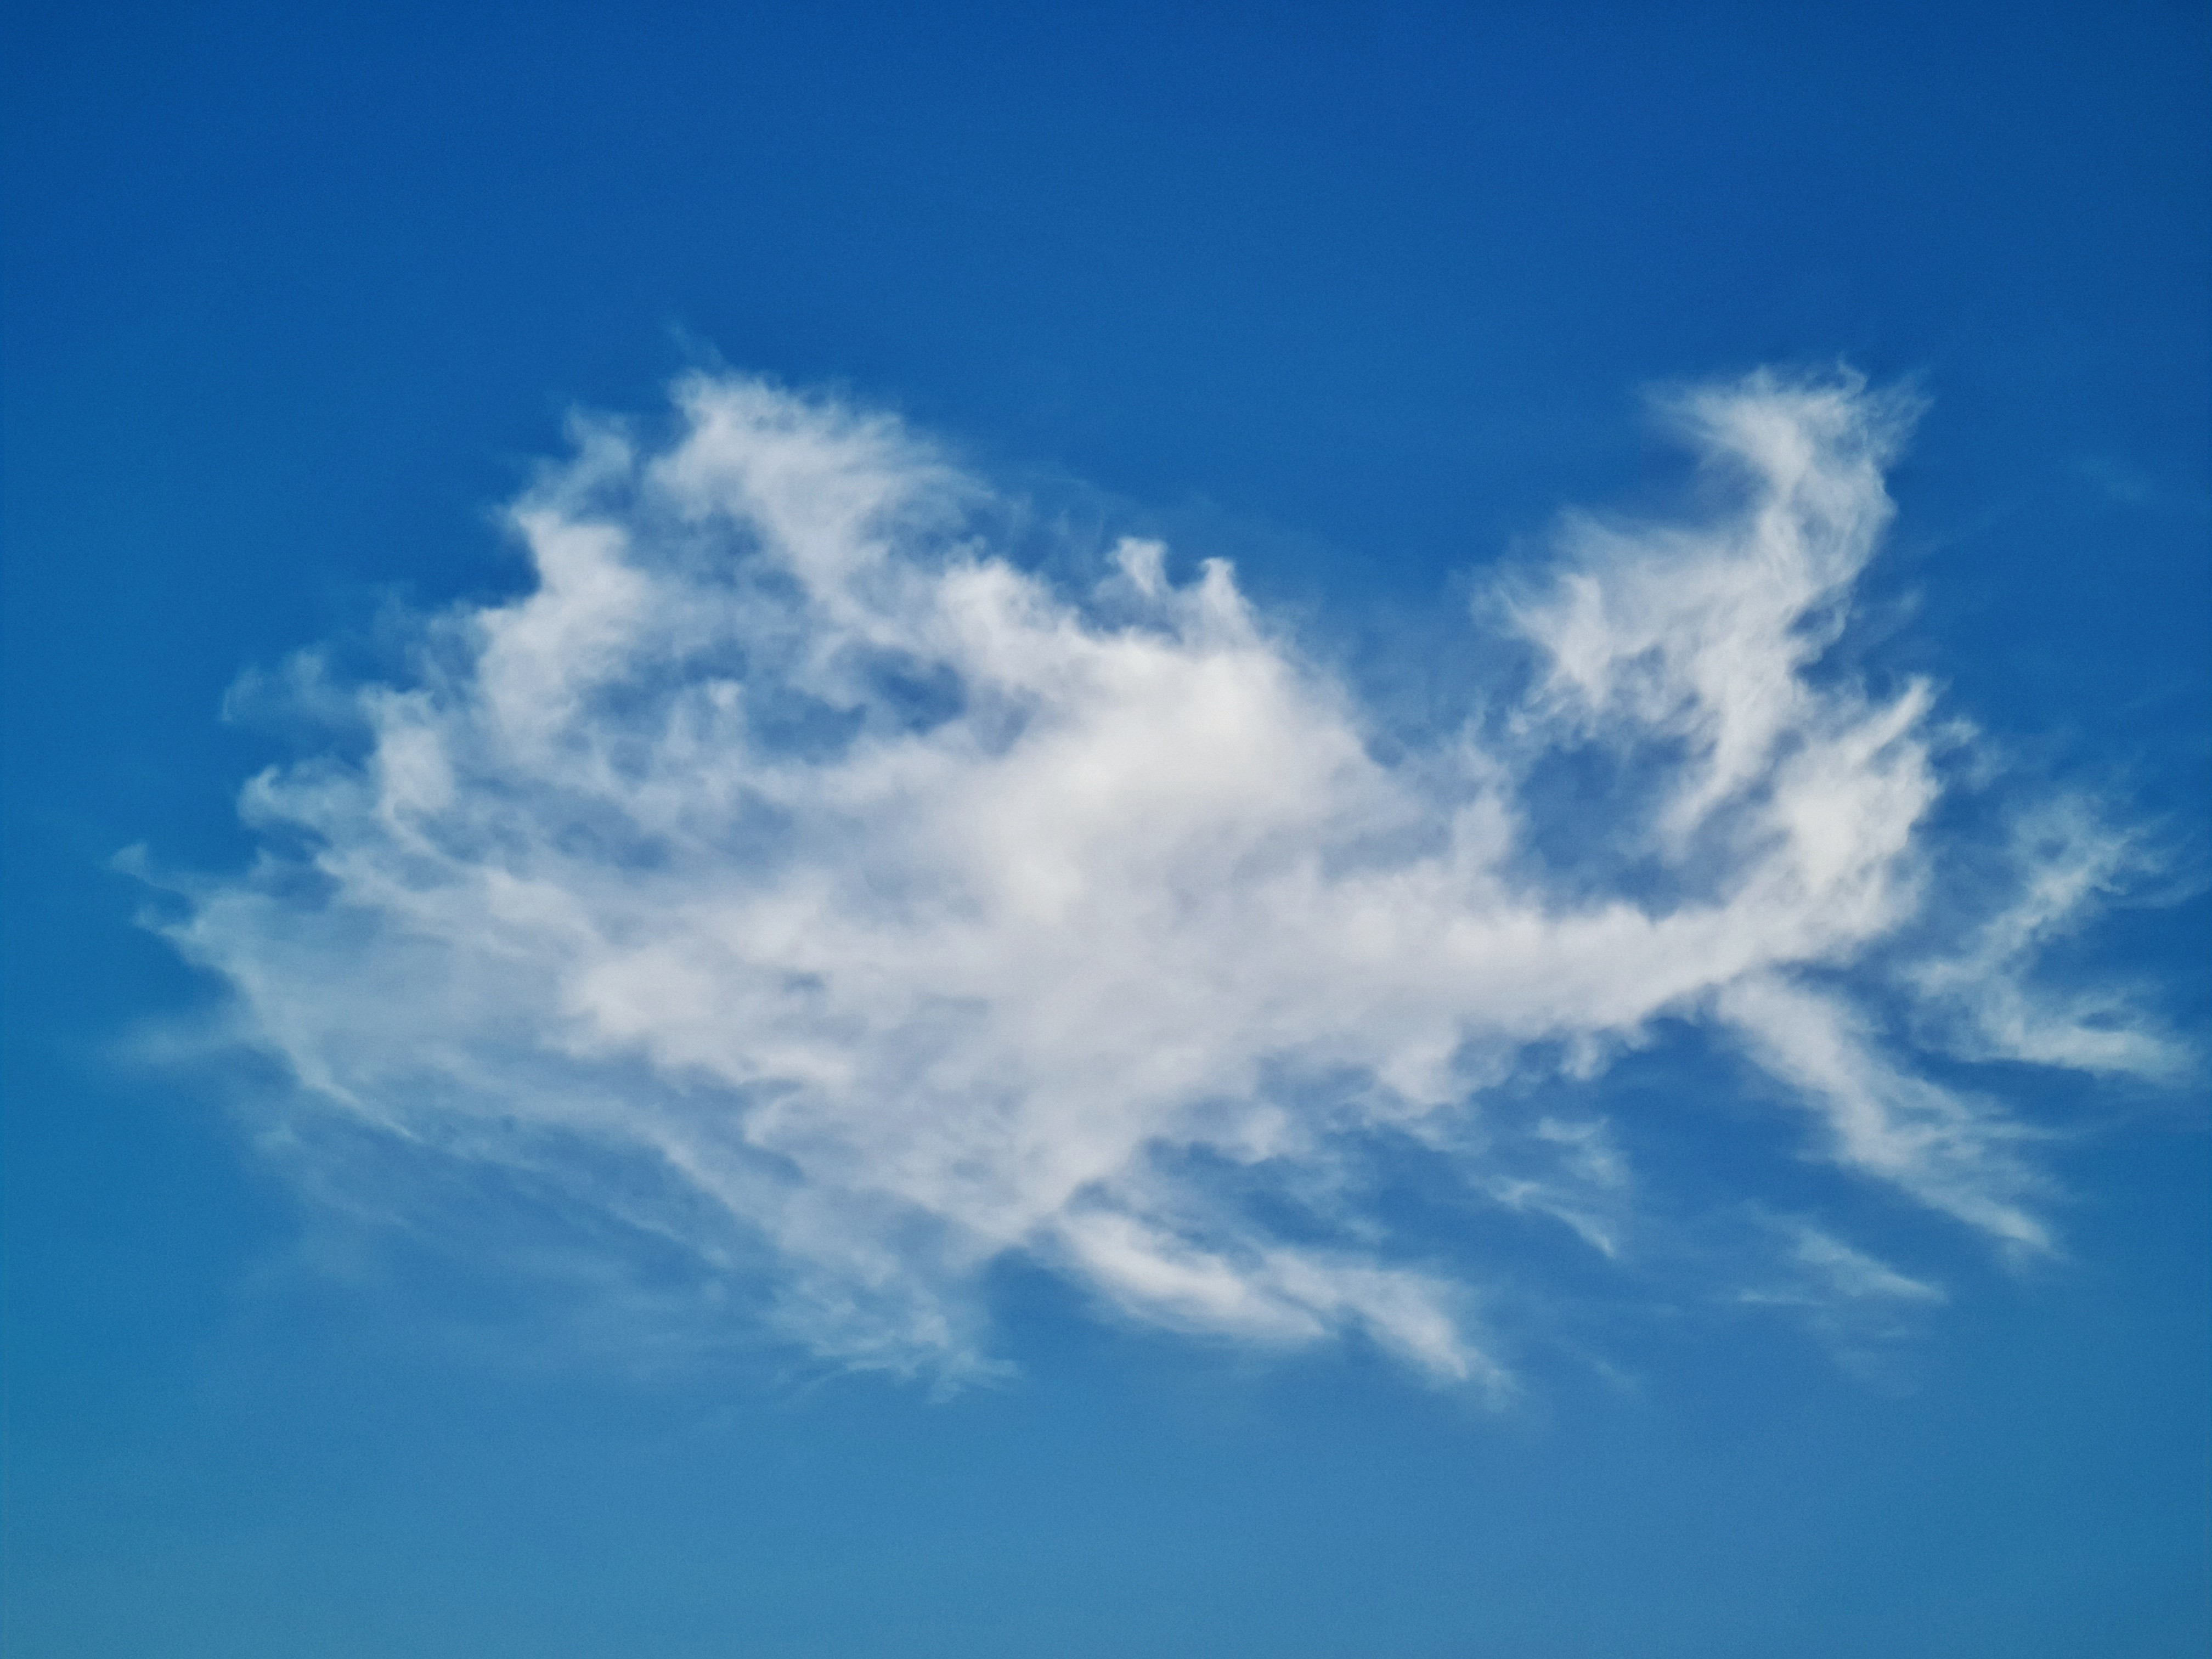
(797, 880)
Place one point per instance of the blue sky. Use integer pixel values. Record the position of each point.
(994, 830)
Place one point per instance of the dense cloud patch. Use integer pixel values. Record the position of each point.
(794, 878)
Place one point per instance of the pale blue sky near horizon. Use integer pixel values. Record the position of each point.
(296, 297)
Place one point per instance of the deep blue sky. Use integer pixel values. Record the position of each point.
(295, 295)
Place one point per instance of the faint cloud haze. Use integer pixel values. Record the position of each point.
(794, 879)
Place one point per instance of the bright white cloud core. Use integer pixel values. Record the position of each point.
(796, 879)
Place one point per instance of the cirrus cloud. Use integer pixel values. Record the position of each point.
(796, 879)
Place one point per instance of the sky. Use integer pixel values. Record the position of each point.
(1213, 830)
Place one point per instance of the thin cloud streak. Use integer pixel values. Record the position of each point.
(794, 878)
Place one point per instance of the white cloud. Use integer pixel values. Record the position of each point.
(2066, 864)
(1855, 1304)
(790, 872)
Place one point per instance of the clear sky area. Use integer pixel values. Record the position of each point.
(983, 831)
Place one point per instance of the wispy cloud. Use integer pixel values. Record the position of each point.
(2129, 486)
(1858, 1306)
(795, 878)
